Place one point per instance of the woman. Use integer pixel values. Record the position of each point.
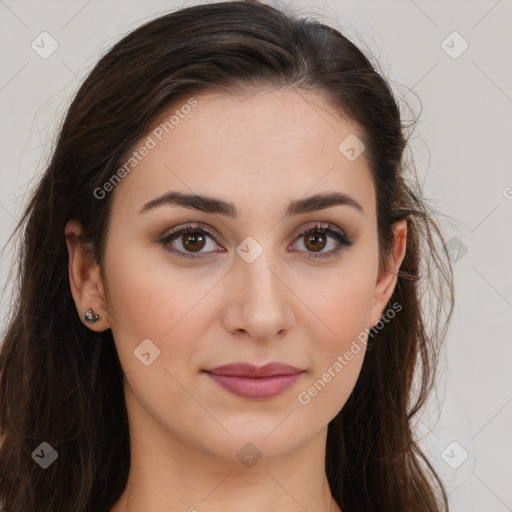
(221, 283)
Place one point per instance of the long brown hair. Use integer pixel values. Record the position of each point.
(61, 383)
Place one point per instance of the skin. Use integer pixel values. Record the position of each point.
(263, 151)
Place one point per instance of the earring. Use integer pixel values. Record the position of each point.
(90, 316)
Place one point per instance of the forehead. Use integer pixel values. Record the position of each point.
(258, 150)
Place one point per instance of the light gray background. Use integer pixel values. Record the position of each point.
(462, 151)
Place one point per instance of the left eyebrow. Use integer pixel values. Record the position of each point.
(213, 205)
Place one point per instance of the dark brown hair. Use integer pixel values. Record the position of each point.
(60, 382)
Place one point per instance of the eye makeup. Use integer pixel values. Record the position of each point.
(198, 231)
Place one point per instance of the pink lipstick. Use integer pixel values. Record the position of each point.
(256, 382)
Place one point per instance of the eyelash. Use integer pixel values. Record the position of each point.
(328, 229)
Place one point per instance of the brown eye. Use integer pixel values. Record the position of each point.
(194, 241)
(315, 241)
(317, 238)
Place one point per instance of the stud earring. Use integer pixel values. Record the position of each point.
(90, 316)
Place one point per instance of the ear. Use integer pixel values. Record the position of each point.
(387, 278)
(85, 279)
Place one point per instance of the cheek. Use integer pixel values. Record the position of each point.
(342, 297)
(150, 298)
(338, 347)
(343, 305)
(147, 302)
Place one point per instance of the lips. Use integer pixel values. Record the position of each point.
(256, 382)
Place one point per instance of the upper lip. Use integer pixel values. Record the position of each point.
(251, 370)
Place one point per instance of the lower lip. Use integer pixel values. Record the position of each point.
(256, 387)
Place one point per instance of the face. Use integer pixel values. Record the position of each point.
(243, 283)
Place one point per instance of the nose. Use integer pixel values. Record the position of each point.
(258, 300)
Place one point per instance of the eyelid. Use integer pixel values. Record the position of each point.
(188, 227)
(332, 231)
(171, 234)
(322, 226)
